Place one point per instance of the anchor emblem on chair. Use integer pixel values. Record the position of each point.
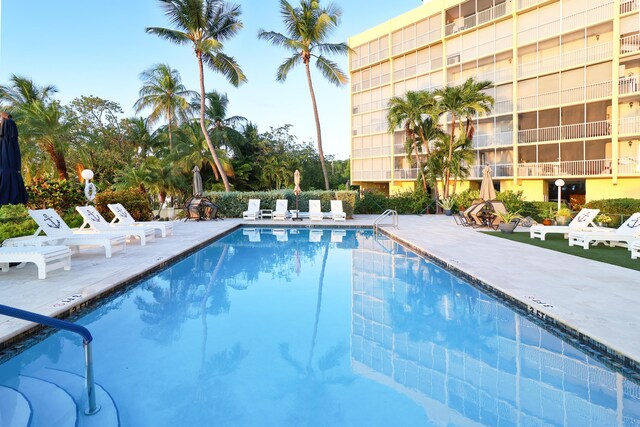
(582, 218)
(122, 212)
(50, 221)
(93, 216)
(634, 223)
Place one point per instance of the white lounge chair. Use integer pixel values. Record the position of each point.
(635, 249)
(58, 233)
(336, 211)
(281, 210)
(123, 217)
(315, 210)
(253, 210)
(623, 236)
(582, 221)
(46, 258)
(94, 222)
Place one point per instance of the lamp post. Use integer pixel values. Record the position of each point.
(89, 189)
(559, 184)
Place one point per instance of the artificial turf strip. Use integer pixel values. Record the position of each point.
(556, 242)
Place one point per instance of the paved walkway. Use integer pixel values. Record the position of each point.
(596, 299)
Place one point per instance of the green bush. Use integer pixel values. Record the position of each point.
(232, 204)
(61, 195)
(539, 210)
(15, 221)
(135, 202)
(376, 202)
(466, 198)
(513, 200)
(617, 209)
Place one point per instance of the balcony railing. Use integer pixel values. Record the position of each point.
(628, 6)
(522, 4)
(629, 126)
(493, 140)
(629, 85)
(566, 96)
(565, 60)
(565, 168)
(371, 152)
(481, 17)
(566, 132)
(629, 165)
(373, 128)
(630, 44)
(372, 175)
(369, 83)
(497, 170)
(405, 173)
(370, 106)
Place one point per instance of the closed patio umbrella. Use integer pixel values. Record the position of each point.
(12, 189)
(197, 182)
(486, 188)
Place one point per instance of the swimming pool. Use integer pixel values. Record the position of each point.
(274, 327)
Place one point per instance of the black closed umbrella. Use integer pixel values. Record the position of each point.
(12, 189)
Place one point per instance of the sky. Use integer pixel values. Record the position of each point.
(99, 48)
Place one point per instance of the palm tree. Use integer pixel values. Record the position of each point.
(463, 101)
(162, 91)
(407, 112)
(223, 128)
(23, 91)
(205, 24)
(307, 27)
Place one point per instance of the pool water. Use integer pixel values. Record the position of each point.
(299, 327)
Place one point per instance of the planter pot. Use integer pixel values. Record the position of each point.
(506, 228)
(602, 224)
(547, 222)
(563, 220)
(448, 212)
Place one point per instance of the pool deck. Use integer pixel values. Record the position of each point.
(596, 299)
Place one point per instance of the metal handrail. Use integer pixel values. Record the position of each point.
(388, 213)
(61, 324)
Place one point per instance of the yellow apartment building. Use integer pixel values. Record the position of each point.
(566, 77)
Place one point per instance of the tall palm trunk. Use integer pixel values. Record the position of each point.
(315, 115)
(225, 180)
(318, 306)
(447, 171)
(170, 136)
(58, 161)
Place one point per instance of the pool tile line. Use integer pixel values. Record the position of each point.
(35, 333)
(599, 351)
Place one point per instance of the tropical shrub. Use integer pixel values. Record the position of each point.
(232, 204)
(539, 210)
(466, 198)
(134, 201)
(512, 200)
(59, 194)
(617, 209)
(409, 202)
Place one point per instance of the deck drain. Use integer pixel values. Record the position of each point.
(68, 300)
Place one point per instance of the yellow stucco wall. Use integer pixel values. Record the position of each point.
(401, 187)
(603, 189)
(532, 189)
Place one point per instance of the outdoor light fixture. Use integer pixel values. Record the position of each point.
(631, 104)
(89, 188)
(630, 143)
(559, 184)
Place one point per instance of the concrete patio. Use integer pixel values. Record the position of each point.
(595, 299)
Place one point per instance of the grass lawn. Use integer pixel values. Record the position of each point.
(557, 242)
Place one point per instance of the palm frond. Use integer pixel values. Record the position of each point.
(331, 71)
(227, 66)
(174, 36)
(286, 66)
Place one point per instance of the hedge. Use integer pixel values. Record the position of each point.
(15, 221)
(232, 204)
(617, 209)
(135, 202)
(409, 202)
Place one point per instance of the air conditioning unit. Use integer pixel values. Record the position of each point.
(453, 59)
(354, 110)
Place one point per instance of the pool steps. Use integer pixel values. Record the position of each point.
(52, 397)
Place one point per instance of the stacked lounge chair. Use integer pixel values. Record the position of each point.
(94, 222)
(122, 217)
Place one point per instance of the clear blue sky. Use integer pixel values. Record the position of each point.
(99, 47)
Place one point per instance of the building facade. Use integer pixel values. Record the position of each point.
(566, 77)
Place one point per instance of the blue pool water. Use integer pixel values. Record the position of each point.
(314, 328)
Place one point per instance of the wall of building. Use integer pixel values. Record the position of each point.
(603, 189)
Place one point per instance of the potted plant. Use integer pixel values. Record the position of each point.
(547, 219)
(563, 216)
(447, 203)
(510, 221)
(602, 220)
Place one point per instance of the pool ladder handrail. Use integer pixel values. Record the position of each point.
(386, 214)
(67, 326)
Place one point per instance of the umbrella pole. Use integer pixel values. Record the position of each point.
(297, 218)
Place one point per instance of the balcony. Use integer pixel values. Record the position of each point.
(629, 126)
(371, 152)
(370, 106)
(497, 170)
(464, 23)
(566, 60)
(629, 44)
(403, 174)
(523, 4)
(379, 175)
(628, 6)
(499, 139)
(567, 168)
(566, 132)
(566, 96)
(628, 85)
